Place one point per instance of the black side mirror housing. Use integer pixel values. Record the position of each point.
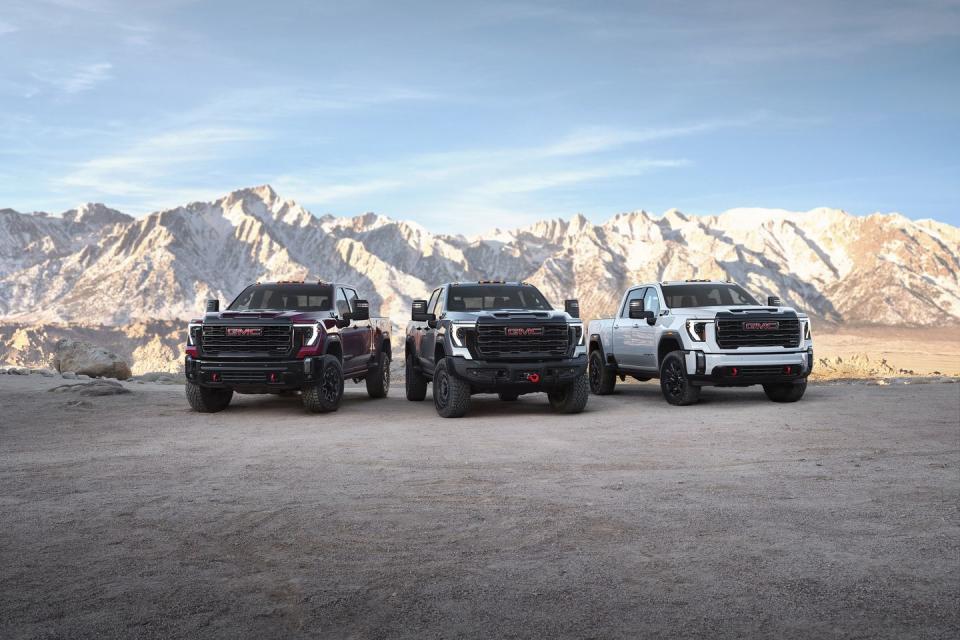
(650, 316)
(636, 309)
(361, 310)
(344, 322)
(572, 307)
(773, 301)
(418, 311)
(213, 305)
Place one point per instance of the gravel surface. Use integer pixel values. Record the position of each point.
(129, 516)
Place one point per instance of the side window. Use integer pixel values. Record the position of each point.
(434, 301)
(351, 295)
(636, 294)
(343, 307)
(651, 302)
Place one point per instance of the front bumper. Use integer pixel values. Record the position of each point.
(487, 376)
(744, 369)
(252, 376)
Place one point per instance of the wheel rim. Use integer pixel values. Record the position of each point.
(330, 385)
(442, 390)
(674, 380)
(385, 374)
(594, 375)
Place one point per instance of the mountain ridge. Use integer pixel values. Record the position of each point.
(97, 265)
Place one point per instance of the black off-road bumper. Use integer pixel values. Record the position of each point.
(252, 376)
(519, 377)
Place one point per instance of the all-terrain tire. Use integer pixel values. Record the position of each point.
(572, 398)
(378, 379)
(602, 377)
(416, 384)
(324, 395)
(674, 383)
(207, 400)
(451, 395)
(788, 392)
(508, 397)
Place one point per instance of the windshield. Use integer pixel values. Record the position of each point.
(680, 296)
(486, 297)
(284, 297)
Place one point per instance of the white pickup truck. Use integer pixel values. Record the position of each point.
(700, 332)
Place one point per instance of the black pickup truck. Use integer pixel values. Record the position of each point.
(286, 337)
(495, 337)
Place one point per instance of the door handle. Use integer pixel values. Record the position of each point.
(636, 325)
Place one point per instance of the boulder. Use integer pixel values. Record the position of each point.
(84, 358)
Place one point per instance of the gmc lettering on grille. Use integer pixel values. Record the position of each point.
(244, 331)
(523, 331)
(761, 326)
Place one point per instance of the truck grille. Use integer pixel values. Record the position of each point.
(784, 331)
(274, 340)
(494, 343)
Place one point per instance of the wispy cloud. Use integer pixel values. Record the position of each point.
(87, 77)
(141, 170)
(494, 173)
(6, 27)
(76, 79)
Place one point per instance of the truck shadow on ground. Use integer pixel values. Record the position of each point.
(648, 392)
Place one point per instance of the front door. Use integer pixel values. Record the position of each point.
(626, 333)
(646, 332)
(353, 337)
(428, 340)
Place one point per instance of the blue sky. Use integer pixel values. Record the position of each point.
(469, 115)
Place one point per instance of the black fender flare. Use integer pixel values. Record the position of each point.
(668, 335)
(331, 340)
(595, 337)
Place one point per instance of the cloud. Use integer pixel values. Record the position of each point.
(141, 169)
(79, 79)
(6, 27)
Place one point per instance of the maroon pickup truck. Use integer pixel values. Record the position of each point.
(288, 337)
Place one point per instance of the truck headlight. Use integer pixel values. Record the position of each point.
(193, 333)
(459, 332)
(310, 332)
(806, 330)
(578, 335)
(697, 330)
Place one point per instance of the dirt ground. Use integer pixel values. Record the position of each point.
(129, 516)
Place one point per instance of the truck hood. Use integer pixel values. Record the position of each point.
(260, 315)
(511, 314)
(709, 312)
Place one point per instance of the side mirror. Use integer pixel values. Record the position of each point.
(773, 301)
(344, 322)
(572, 307)
(650, 316)
(636, 309)
(213, 305)
(361, 310)
(418, 311)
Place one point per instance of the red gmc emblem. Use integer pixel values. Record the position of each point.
(761, 326)
(237, 332)
(523, 331)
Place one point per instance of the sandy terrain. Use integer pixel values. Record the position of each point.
(128, 516)
(923, 351)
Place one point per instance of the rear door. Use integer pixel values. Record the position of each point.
(626, 332)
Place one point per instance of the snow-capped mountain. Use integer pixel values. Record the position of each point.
(95, 265)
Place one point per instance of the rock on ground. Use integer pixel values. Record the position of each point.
(88, 359)
(95, 388)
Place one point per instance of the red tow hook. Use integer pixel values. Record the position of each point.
(533, 377)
